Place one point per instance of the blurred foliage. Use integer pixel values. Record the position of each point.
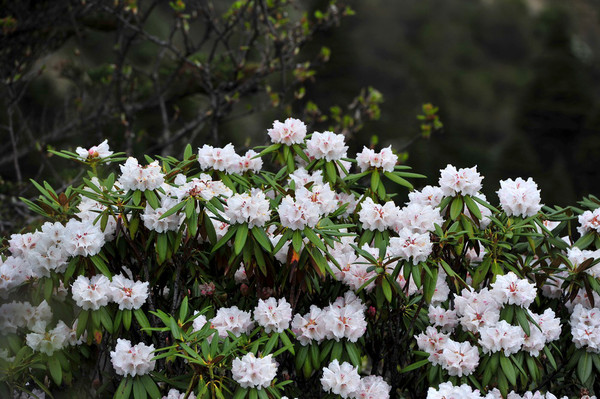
(517, 83)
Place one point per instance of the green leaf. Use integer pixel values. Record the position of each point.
(124, 389)
(126, 318)
(261, 237)
(152, 199)
(508, 369)
(336, 351)
(106, 319)
(183, 309)
(150, 387)
(82, 322)
(472, 207)
(584, 367)
(330, 171)
(139, 392)
(353, 353)
(240, 393)
(297, 241)
(522, 319)
(387, 290)
(585, 240)
(253, 393)
(273, 340)
(225, 239)
(312, 237)
(141, 318)
(398, 180)
(414, 366)
(101, 265)
(456, 208)
(375, 180)
(240, 238)
(136, 197)
(301, 355)
(56, 369)
(162, 244)
(550, 357)
(175, 209)
(429, 284)
(187, 153)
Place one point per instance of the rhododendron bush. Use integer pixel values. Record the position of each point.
(295, 270)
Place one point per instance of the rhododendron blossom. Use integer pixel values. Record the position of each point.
(385, 159)
(519, 197)
(291, 131)
(326, 145)
(137, 177)
(341, 379)
(99, 151)
(273, 315)
(132, 360)
(464, 181)
(254, 372)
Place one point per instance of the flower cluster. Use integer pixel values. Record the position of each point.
(344, 380)
(344, 318)
(227, 160)
(132, 360)
(464, 181)
(99, 151)
(254, 372)
(252, 208)
(92, 294)
(326, 145)
(291, 131)
(519, 197)
(385, 159)
(137, 177)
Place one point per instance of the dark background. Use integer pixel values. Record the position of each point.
(517, 83)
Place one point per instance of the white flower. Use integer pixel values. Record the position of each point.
(326, 145)
(418, 218)
(409, 245)
(249, 163)
(251, 208)
(175, 394)
(132, 360)
(232, 319)
(373, 387)
(448, 391)
(309, 327)
(226, 159)
(254, 372)
(501, 337)
(588, 221)
(433, 342)
(465, 181)
(137, 177)
(429, 195)
(385, 159)
(301, 177)
(459, 358)
(297, 215)
(47, 342)
(345, 321)
(91, 294)
(273, 315)
(377, 217)
(83, 238)
(98, 151)
(513, 290)
(128, 294)
(319, 195)
(440, 317)
(152, 219)
(585, 328)
(198, 322)
(519, 197)
(291, 131)
(341, 379)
